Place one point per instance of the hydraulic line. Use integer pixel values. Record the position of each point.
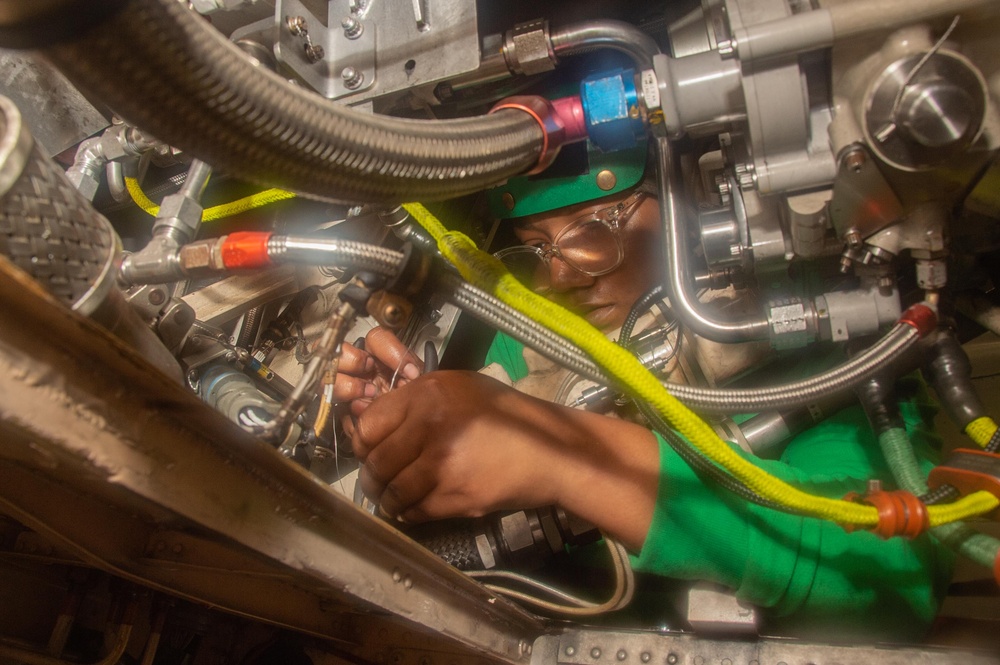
(615, 35)
(221, 211)
(640, 307)
(164, 68)
(685, 303)
(485, 271)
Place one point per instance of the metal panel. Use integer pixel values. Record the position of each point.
(117, 453)
(56, 112)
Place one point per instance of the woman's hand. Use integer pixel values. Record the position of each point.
(385, 363)
(452, 444)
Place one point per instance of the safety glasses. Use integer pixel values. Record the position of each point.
(589, 244)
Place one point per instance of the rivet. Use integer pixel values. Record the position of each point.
(570, 651)
(397, 576)
(595, 653)
(407, 582)
(606, 180)
(621, 655)
(645, 657)
(508, 200)
(672, 659)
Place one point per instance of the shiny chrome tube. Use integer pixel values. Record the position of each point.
(615, 35)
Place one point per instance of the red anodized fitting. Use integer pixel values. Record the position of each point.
(561, 123)
(246, 249)
(900, 513)
(921, 317)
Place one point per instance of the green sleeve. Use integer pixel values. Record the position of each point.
(804, 573)
(509, 354)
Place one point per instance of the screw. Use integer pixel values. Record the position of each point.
(314, 52)
(157, 297)
(745, 175)
(352, 27)
(297, 25)
(855, 160)
(392, 314)
(352, 78)
(852, 238)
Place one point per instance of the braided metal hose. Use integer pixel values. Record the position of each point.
(163, 68)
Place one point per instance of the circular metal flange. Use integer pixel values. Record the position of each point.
(917, 118)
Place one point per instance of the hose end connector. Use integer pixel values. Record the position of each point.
(246, 249)
(921, 317)
(554, 133)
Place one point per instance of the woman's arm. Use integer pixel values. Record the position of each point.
(455, 444)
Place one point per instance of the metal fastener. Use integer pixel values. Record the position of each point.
(352, 78)
(570, 651)
(392, 314)
(606, 180)
(855, 160)
(508, 200)
(352, 27)
(645, 657)
(157, 297)
(297, 25)
(595, 653)
(672, 659)
(621, 655)
(314, 52)
(852, 238)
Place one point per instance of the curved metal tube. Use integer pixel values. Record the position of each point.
(685, 303)
(616, 35)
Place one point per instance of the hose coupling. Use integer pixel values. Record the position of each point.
(921, 317)
(900, 513)
(556, 131)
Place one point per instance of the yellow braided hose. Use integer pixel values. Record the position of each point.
(221, 211)
(487, 273)
(981, 430)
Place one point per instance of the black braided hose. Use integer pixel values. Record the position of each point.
(163, 68)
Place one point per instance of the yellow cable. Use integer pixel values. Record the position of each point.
(488, 273)
(981, 430)
(221, 211)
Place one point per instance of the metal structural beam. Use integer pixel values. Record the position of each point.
(104, 454)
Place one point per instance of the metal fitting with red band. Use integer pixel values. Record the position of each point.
(247, 249)
(900, 513)
(921, 317)
(553, 125)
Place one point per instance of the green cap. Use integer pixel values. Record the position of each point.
(594, 174)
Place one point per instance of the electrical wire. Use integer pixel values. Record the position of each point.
(221, 211)
(488, 273)
(571, 605)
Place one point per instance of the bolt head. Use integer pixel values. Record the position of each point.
(314, 52)
(606, 180)
(297, 25)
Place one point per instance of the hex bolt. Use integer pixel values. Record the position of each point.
(352, 27)
(314, 52)
(352, 78)
(297, 25)
(852, 238)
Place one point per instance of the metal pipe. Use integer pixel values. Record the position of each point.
(197, 178)
(115, 174)
(10, 650)
(685, 303)
(616, 35)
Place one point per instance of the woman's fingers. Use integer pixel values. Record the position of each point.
(388, 350)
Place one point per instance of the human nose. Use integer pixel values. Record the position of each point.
(562, 277)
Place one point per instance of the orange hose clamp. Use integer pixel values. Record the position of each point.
(900, 513)
(969, 471)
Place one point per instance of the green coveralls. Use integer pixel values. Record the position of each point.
(808, 576)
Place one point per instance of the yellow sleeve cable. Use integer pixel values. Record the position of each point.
(487, 273)
(221, 211)
(981, 430)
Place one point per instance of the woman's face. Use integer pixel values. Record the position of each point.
(604, 300)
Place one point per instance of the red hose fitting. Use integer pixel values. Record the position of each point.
(900, 513)
(552, 122)
(921, 317)
(247, 249)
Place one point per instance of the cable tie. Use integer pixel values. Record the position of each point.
(900, 513)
